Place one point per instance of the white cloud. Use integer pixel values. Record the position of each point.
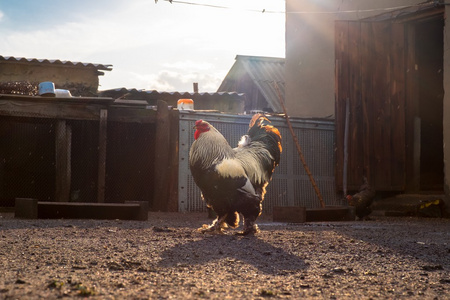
(163, 46)
(189, 65)
(164, 80)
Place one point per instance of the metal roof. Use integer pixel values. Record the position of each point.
(55, 62)
(266, 73)
(224, 102)
(409, 13)
(156, 93)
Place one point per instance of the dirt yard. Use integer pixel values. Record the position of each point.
(166, 258)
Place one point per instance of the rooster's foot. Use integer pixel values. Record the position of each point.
(211, 229)
(217, 227)
(249, 230)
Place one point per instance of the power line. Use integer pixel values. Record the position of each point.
(300, 12)
(349, 11)
(225, 7)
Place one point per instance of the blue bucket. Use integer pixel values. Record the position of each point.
(47, 89)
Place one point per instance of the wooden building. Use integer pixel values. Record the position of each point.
(83, 149)
(387, 60)
(261, 79)
(80, 78)
(389, 75)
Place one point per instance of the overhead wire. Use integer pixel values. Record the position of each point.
(302, 12)
(224, 7)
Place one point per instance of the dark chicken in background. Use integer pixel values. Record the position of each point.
(233, 180)
(362, 200)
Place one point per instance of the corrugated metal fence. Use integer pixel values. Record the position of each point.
(290, 185)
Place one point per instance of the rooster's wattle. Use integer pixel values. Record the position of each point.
(233, 180)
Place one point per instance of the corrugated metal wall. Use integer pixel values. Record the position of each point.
(290, 185)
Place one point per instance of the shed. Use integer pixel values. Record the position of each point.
(78, 77)
(389, 75)
(260, 78)
(88, 149)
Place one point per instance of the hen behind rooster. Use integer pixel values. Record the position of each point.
(233, 180)
(362, 200)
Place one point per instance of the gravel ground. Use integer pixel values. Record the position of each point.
(166, 258)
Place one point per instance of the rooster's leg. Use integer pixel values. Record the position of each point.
(217, 226)
(249, 226)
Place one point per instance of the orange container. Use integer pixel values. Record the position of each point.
(185, 104)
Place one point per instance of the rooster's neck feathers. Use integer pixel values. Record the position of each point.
(258, 152)
(209, 148)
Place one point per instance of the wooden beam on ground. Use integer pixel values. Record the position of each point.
(101, 211)
(330, 214)
(289, 214)
(27, 208)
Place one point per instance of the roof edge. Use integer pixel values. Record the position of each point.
(260, 58)
(55, 62)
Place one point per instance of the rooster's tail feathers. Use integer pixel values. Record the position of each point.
(260, 130)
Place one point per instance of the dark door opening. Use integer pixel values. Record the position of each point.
(429, 58)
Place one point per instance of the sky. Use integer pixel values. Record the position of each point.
(154, 46)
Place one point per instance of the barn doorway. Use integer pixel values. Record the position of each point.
(389, 77)
(429, 46)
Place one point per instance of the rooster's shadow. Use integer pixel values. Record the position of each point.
(229, 249)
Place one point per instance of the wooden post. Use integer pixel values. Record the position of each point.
(63, 143)
(172, 204)
(416, 153)
(26, 208)
(345, 167)
(101, 182)
(162, 157)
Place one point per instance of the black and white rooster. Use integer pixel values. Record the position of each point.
(233, 180)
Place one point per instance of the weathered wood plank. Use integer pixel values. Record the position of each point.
(49, 110)
(357, 114)
(131, 115)
(371, 75)
(381, 123)
(101, 182)
(162, 158)
(330, 213)
(63, 136)
(341, 94)
(398, 100)
(83, 210)
(290, 214)
(412, 110)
